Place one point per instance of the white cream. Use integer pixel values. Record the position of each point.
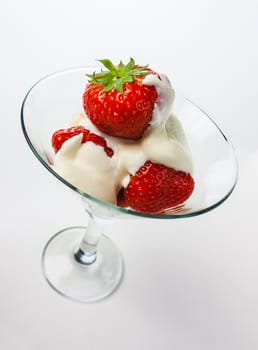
(162, 108)
(161, 146)
(88, 167)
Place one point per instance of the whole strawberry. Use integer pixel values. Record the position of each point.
(117, 102)
(155, 188)
(62, 135)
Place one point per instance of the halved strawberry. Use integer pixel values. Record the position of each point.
(155, 188)
(62, 135)
(117, 102)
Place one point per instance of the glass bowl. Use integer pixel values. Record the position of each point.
(82, 263)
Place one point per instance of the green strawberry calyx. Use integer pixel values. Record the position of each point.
(116, 76)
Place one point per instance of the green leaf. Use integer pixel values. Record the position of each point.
(116, 76)
(118, 84)
(128, 79)
(130, 64)
(120, 66)
(108, 64)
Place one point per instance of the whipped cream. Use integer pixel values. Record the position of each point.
(87, 166)
(166, 94)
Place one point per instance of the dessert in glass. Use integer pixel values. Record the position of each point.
(128, 145)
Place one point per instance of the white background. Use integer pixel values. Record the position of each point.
(190, 284)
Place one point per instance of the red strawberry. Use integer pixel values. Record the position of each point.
(62, 135)
(117, 102)
(155, 188)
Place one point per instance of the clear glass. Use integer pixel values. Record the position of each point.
(83, 264)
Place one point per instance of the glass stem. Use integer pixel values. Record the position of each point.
(86, 254)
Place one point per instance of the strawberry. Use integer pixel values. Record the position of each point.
(117, 102)
(62, 135)
(155, 188)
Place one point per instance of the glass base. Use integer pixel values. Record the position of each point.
(68, 277)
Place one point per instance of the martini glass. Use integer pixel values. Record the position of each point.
(82, 263)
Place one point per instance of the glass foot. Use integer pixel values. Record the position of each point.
(77, 281)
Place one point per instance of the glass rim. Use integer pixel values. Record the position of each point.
(103, 203)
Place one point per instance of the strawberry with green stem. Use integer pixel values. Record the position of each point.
(117, 102)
